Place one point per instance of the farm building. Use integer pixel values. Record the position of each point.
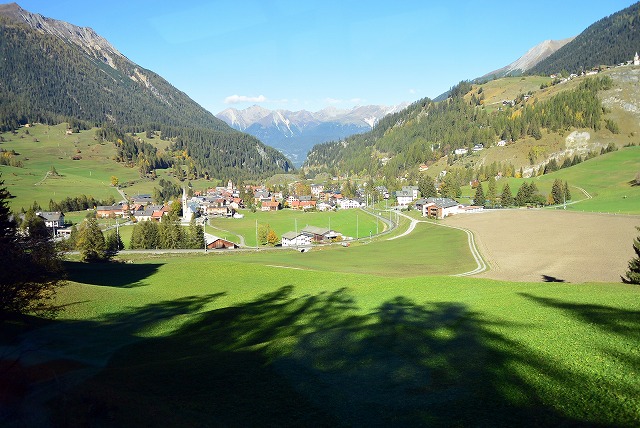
(295, 239)
(319, 234)
(217, 243)
(440, 207)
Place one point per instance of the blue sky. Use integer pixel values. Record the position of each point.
(311, 54)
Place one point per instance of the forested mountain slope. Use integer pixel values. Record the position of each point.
(612, 40)
(428, 132)
(52, 72)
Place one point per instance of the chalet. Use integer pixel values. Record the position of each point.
(217, 243)
(109, 211)
(216, 210)
(158, 213)
(143, 215)
(319, 234)
(406, 195)
(461, 151)
(383, 191)
(344, 204)
(325, 206)
(54, 220)
(303, 205)
(423, 167)
(270, 206)
(478, 147)
(440, 207)
(141, 199)
(419, 203)
(259, 195)
(295, 239)
(316, 189)
(501, 143)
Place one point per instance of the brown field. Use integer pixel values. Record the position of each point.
(527, 245)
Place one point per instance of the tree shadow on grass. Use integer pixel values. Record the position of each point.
(613, 320)
(111, 274)
(320, 360)
(53, 358)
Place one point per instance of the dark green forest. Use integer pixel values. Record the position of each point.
(48, 80)
(611, 40)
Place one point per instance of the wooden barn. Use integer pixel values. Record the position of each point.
(217, 243)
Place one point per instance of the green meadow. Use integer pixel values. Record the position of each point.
(351, 223)
(41, 148)
(212, 339)
(607, 179)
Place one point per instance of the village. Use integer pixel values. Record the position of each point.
(227, 202)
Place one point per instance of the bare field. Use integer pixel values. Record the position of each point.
(527, 245)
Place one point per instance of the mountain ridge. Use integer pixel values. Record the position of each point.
(295, 132)
(530, 59)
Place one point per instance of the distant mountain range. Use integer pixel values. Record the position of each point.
(53, 71)
(295, 132)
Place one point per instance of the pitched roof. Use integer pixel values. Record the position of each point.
(316, 230)
(291, 235)
(443, 202)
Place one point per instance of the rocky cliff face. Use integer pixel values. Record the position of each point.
(530, 59)
(87, 39)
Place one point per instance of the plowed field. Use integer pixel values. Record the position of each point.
(539, 245)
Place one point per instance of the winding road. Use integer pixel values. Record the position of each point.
(481, 265)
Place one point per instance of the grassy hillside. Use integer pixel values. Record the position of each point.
(258, 345)
(41, 147)
(607, 179)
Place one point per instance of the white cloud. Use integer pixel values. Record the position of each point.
(234, 99)
(333, 101)
(412, 91)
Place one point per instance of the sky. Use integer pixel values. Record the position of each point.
(308, 54)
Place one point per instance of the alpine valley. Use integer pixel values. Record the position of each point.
(295, 133)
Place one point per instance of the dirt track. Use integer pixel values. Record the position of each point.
(525, 245)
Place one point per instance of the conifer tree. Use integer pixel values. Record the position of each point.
(557, 192)
(491, 192)
(523, 195)
(427, 187)
(633, 274)
(506, 198)
(567, 192)
(479, 198)
(31, 270)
